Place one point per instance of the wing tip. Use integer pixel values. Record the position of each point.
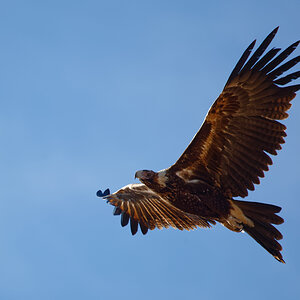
(242, 64)
(275, 30)
(101, 194)
(295, 45)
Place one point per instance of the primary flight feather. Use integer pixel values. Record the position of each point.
(225, 159)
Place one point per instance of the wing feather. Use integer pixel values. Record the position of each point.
(139, 205)
(280, 58)
(230, 149)
(260, 50)
(266, 58)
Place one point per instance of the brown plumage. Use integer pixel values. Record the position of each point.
(225, 159)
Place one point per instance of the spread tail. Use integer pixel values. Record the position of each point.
(261, 228)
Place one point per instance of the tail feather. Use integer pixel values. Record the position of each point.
(272, 246)
(268, 229)
(263, 216)
(258, 207)
(264, 212)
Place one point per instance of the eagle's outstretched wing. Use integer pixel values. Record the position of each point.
(141, 206)
(230, 148)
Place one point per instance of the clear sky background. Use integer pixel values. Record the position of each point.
(92, 91)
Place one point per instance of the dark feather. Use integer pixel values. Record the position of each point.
(262, 216)
(277, 72)
(266, 58)
(117, 211)
(124, 219)
(288, 78)
(99, 194)
(260, 50)
(105, 193)
(272, 246)
(240, 63)
(144, 228)
(280, 58)
(133, 226)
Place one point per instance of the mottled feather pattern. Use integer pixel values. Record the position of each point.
(241, 124)
(225, 159)
(140, 205)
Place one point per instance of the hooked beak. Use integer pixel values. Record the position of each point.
(138, 174)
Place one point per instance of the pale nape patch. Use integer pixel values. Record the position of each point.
(162, 178)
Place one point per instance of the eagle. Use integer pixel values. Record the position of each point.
(227, 156)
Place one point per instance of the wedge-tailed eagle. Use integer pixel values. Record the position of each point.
(225, 158)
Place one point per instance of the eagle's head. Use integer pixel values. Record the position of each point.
(154, 180)
(145, 175)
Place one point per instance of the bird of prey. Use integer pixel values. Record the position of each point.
(226, 157)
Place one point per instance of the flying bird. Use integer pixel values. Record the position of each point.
(226, 157)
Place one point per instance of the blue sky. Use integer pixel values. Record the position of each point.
(92, 91)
